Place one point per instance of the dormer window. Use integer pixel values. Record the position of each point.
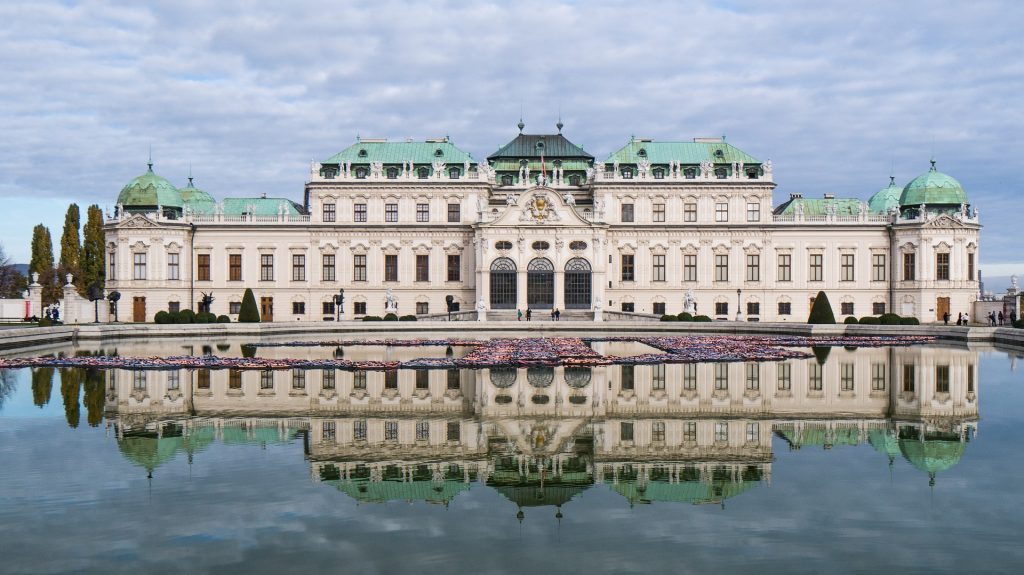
(330, 174)
(438, 153)
(362, 153)
(558, 163)
(574, 180)
(627, 174)
(392, 173)
(423, 173)
(721, 173)
(642, 153)
(506, 180)
(690, 173)
(540, 145)
(659, 174)
(361, 173)
(752, 174)
(719, 154)
(453, 173)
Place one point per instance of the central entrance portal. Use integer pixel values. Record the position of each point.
(540, 284)
(503, 284)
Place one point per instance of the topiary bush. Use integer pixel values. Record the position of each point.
(869, 320)
(162, 317)
(173, 317)
(371, 318)
(889, 319)
(668, 317)
(186, 316)
(223, 319)
(407, 318)
(821, 312)
(685, 316)
(249, 313)
(850, 319)
(909, 321)
(701, 318)
(390, 317)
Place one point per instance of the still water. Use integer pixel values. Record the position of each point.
(858, 460)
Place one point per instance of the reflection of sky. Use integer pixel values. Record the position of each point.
(71, 502)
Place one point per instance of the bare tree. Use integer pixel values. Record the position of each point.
(12, 282)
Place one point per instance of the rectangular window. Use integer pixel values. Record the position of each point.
(359, 307)
(877, 377)
(659, 268)
(909, 267)
(816, 271)
(784, 376)
(328, 308)
(422, 431)
(390, 431)
(391, 379)
(235, 307)
(721, 376)
(359, 213)
(391, 267)
(298, 308)
(721, 212)
(878, 267)
(909, 378)
(785, 268)
(721, 268)
(422, 379)
(173, 379)
(329, 274)
(753, 432)
(941, 379)
(358, 380)
(690, 431)
(454, 379)
(203, 379)
(298, 267)
(785, 308)
(454, 431)
(753, 212)
(877, 308)
(628, 306)
(173, 307)
(658, 377)
(390, 212)
(454, 213)
(846, 308)
(111, 265)
(626, 430)
(626, 373)
(454, 267)
(690, 376)
(329, 431)
(298, 379)
(690, 212)
(659, 212)
(329, 213)
(139, 379)
(422, 213)
(328, 377)
(753, 268)
(753, 308)
(721, 431)
(234, 379)
(815, 377)
(689, 268)
(753, 382)
(422, 268)
(721, 308)
(266, 379)
(627, 268)
(359, 430)
(203, 267)
(658, 431)
(659, 308)
(266, 268)
(846, 377)
(172, 267)
(942, 266)
(235, 267)
(359, 268)
(139, 261)
(422, 308)
(970, 267)
(846, 268)
(627, 212)
(970, 378)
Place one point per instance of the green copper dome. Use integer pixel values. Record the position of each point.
(933, 188)
(933, 454)
(887, 198)
(197, 200)
(150, 190)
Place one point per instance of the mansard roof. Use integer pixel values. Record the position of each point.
(695, 152)
(819, 206)
(366, 151)
(261, 206)
(534, 145)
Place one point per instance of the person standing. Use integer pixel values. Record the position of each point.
(960, 318)
(529, 314)
(519, 315)
(945, 318)
(558, 314)
(1001, 318)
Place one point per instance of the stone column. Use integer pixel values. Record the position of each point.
(559, 289)
(72, 304)
(521, 290)
(35, 297)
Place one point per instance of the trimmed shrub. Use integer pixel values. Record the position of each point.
(850, 319)
(701, 318)
(186, 316)
(668, 317)
(173, 317)
(407, 318)
(889, 319)
(223, 319)
(390, 317)
(249, 312)
(46, 322)
(821, 354)
(162, 317)
(821, 312)
(685, 316)
(202, 318)
(869, 320)
(248, 350)
(1019, 324)
(371, 318)
(909, 321)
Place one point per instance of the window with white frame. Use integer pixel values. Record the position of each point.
(266, 267)
(721, 267)
(298, 267)
(330, 213)
(753, 212)
(390, 212)
(172, 266)
(659, 267)
(139, 266)
(846, 269)
(721, 431)
(359, 213)
(329, 269)
(658, 214)
(422, 213)
(753, 267)
(721, 212)
(689, 267)
(878, 267)
(690, 212)
(816, 268)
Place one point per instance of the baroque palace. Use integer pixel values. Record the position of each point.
(543, 225)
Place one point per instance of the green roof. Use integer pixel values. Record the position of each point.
(197, 200)
(932, 455)
(933, 188)
(260, 206)
(887, 198)
(150, 190)
(817, 206)
(512, 165)
(694, 492)
(367, 491)
(551, 146)
(685, 152)
(367, 151)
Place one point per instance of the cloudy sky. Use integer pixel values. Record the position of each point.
(837, 94)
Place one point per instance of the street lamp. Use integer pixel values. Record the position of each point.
(739, 305)
(113, 297)
(339, 303)
(448, 300)
(95, 295)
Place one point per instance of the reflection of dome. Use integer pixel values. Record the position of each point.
(933, 188)
(938, 452)
(149, 451)
(149, 191)
(886, 199)
(884, 442)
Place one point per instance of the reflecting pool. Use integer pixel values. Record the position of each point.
(854, 460)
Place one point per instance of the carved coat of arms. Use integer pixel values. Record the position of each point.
(539, 210)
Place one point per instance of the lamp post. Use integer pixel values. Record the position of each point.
(339, 304)
(96, 294)
(739, 305)
(448, 301)
(113, 297)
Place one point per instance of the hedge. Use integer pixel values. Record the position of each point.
(909, 321)
(889, 319)
(869, 320)
(371, 318)
(162, 317)
(668, 317)
(408, 318)
(701, 318)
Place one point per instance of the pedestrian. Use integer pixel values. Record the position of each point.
(519, 315)
(945, 318)
(552, 314)
(529, 314)
(960, 318)
(1001, 317)
(558, 314)
(992, 319)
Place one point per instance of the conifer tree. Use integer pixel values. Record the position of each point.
(821, 311)
(91, 264)
(42, 263)
(249, 312)
(70, 244)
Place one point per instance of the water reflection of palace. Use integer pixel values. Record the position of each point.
(698, 433)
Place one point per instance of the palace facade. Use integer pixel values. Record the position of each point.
(542, 224)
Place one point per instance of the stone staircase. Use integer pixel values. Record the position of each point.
(541, 315)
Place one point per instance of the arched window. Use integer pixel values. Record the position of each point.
(507, 180)
(540, 265)
(540, 377)
(690, 173)
(540, 283)
(392, 173)
(721, 173)
(627, 174)
(438, 153)
(642, 153)
(659, 174)
(574, 180)
(362, 153)
(423, 173)
(578, 276)
(503, 377)
(503, 245)
(577, 377)
(361, 173)
(503, 282)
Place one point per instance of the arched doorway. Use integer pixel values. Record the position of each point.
(540, 284)
(503, 284)
(577, 284)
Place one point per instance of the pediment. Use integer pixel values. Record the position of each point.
(944, 221)
(138, 221)
(540, 206)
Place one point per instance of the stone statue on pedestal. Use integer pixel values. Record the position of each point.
(390, 303)
(690, 302)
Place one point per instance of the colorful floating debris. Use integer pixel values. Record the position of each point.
(501, 352)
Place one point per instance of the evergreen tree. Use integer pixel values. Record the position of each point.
(91, 264)
(71, 390)
(95, 396)
(70, 244)
(42, 263)
(821, 311)
(249, 312)
(42, 385)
